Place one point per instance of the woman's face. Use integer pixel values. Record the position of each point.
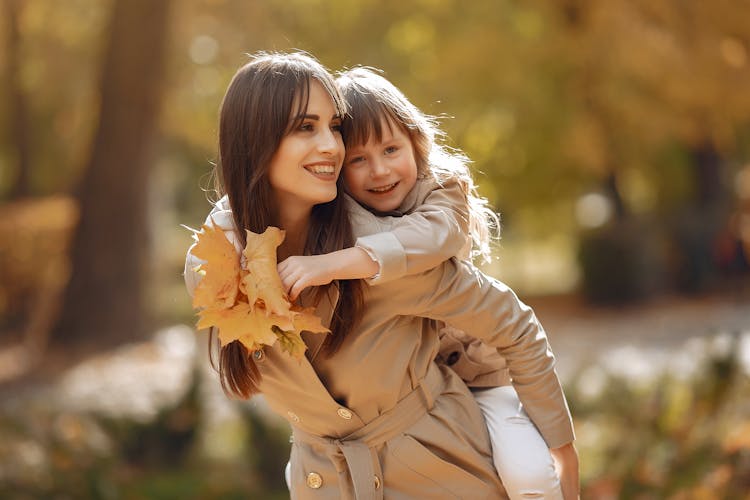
(304, 169)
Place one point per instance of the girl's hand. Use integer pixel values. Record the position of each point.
(301, 271)
(566, 462)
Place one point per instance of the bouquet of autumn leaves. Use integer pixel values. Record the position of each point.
(248, 303)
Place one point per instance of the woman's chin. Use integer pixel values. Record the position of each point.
(325, 197)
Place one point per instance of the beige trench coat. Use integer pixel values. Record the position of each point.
(380, 418)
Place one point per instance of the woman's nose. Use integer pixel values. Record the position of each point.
(330, 142)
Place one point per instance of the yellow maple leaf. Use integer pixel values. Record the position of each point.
(262, 281)
(250, 325)
(220, 283)
(291, 342)
(304, 320)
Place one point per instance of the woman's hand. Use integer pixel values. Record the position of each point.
(566, 463)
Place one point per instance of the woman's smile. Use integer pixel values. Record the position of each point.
(324, 170)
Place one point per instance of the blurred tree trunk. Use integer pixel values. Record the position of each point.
(16, 101)
(707, 165)
(104, 301)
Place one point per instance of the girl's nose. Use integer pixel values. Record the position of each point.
(378, 168)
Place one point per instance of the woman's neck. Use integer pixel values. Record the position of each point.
(296, 227)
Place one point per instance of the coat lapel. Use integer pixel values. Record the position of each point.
(324, 310)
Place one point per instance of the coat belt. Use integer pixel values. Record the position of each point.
(358, 448)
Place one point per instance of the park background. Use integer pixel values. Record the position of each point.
(612, 136)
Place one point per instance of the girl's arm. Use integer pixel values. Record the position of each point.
(566, 462)
(433, 229)
(487, 309)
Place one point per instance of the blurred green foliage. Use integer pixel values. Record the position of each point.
(49, 452)
(684, 433)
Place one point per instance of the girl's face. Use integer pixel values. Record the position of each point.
(380, 174)
(304, 168)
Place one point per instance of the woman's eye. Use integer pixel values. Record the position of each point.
(306, 126)
(336, 127)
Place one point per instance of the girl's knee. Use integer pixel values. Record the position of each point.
(532, 483)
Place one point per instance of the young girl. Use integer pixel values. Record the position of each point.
(372, 414)
(392, 161)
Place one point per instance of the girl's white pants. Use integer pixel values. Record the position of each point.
(521, 456)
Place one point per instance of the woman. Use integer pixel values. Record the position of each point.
(372, 413)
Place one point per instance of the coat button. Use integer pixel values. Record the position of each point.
(344, 413)
(292, 416)
(377, 483)
(258, 355)
(453, 358)
(314, 480)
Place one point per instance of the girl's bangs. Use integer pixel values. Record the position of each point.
(365, 120)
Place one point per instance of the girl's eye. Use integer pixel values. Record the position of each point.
(390, 150)
(356, 159)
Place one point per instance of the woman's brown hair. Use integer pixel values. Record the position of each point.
(262, 104)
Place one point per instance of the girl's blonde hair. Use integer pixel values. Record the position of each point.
(372, 98)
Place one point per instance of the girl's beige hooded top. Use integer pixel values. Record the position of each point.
(380, 418)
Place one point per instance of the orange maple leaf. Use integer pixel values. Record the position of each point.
(262, 281)
(220, 283)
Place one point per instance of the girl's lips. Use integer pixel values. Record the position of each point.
(384, 189)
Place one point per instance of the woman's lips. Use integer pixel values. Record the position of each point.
(326, 171)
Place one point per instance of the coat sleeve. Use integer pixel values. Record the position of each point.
(487, 309)
(435, 230)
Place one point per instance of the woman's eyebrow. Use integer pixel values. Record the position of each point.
(317, 117)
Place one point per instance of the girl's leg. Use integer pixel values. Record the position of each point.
(521, 456)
